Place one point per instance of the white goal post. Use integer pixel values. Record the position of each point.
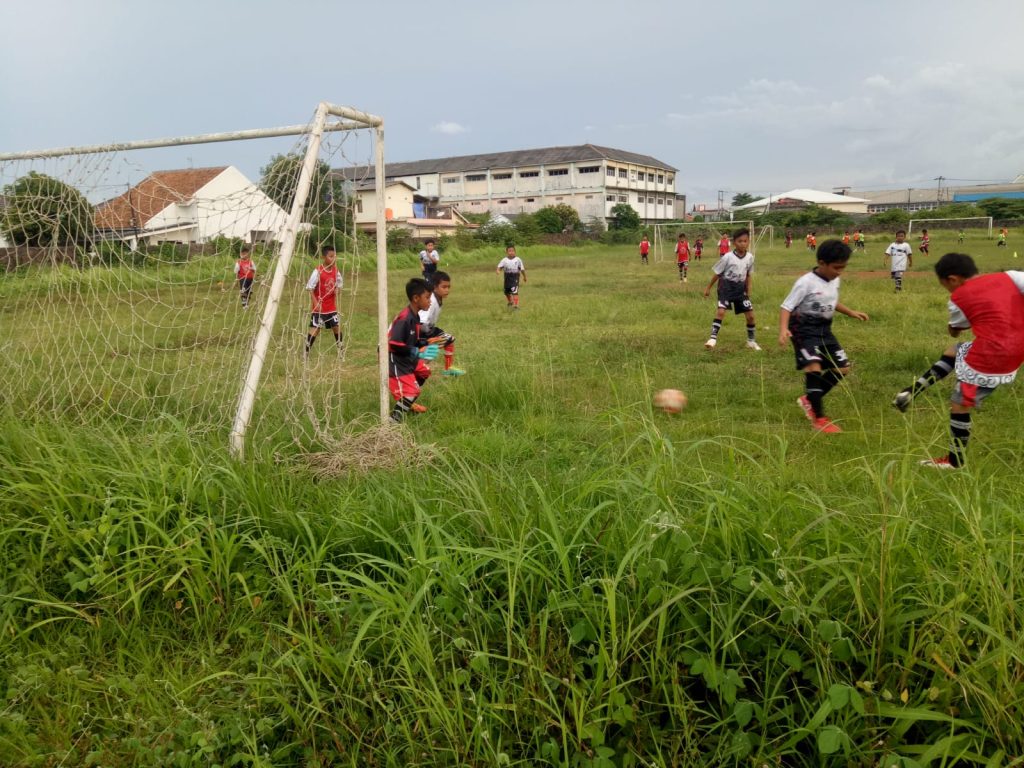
(666, 234)
(973, 222)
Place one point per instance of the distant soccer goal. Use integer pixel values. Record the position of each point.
(972, 222)
(666, 235)
(130, 294)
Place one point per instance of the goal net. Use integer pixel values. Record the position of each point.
(136, 288)
(666, 235)
(972, 222)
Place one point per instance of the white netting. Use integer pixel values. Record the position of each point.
(667, 235)
(119, 301)
(970, 222)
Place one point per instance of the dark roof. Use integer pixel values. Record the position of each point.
(516, 158)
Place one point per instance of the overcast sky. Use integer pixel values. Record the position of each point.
(741, 96)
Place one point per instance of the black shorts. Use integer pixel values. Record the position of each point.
(245, 284)
(435, 332)
(817, 344)
(324, 320)
(740, 304)
(511, 283)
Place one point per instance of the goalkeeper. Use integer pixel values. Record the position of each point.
(409, 352)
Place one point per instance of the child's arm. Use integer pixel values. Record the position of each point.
(522, 273)
(784, 334)
(707, 291)
(844, 310)
(747, 284)
(237, 268)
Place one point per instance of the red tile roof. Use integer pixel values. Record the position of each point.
(154, 193)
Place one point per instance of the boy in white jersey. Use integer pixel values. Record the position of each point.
(806, 320)
(901, 257)
(428, 322)
(732, 273)
(513, 268)
(429, 259)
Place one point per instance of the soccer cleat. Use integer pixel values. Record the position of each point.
(940, 463)
(754, 346)
(825, 426)
(417, 408)
(710, 343)
(686, 279)
(804, 403)
(452, 372)
(902, 401)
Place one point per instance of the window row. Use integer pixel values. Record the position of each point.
(657, 178)
(640, 199)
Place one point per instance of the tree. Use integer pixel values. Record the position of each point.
(557, 218)
(280, 178)
(742, 198)
(40, 210)
(624, 217)
(1002, 208)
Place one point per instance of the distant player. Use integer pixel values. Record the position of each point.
(960, 236)
(806, 321)
(429, 259)
(698, 248)
(409, 352)
(846, 238)
(1001, 243)
(789, 237)
(323, 286)
(428, 321)
(723, 245)
(245, 272)
(513, 269)
(645, 248)
(683, 257)
(814, 240)
(858, 240)
(992, 307)
(733, 274)
(926, 242)
(901, 257)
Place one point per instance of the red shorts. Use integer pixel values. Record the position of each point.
(408, 385)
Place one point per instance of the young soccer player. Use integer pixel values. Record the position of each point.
(683, 257)
(926, 241)
(723, 245)
(846, 237)
(429, 259)
(1001, 243)
(960, 237)
(428, 321)
(814, 240)
(323, 286)
(733, 272)
(245, 272)
(789, 237)
(645, 247)
(858, 240)
(806, 321)
(698, 248)
(513, 268)
(901, 256)
(409, 352)
(992, 307)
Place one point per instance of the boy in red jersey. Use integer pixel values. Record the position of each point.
(698, 248)
(789, 237)
(408, 352)
(992, 307)
(723, 245)
(323, 287)
(645, 248)
(925, 242)
(245, 271)
(683, 257)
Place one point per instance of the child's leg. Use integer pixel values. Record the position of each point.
(405, 390)
(716, 324)
(314, 331)
(814, 389)
(939, 370)
(898, 280)
(751, 326)
(338, 338)
(959, 433)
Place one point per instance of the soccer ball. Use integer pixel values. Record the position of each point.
(670, 400)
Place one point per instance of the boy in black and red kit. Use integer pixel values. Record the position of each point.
(323, 286)
(409, 352)
(245, 272)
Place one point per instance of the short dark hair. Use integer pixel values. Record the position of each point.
(682, 234)
(740, 233)
(327, 249)
(958, 264)
(440, 277)
(417, 287)
(834, 252)
(901, 231)
(245, 249)
(429, 241)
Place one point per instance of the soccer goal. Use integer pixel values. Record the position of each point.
(127, 292)
(666, 235)
(971, 222)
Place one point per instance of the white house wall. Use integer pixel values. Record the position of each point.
(232, 206)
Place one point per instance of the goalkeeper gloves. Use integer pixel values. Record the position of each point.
(428, 352)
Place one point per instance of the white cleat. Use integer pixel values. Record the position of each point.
(754, 346)
(710, 343)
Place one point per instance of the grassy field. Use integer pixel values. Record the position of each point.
(566, 577)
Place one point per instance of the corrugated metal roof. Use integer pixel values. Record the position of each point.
(513, 159)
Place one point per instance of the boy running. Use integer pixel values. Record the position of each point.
(806, 320)
(323, 287)
(512, 267)
(429, 259)
(901, 256)
(732, 273)
(683, 257)
(992, 307)
(645, 247)
(428, 323)
(960, 237)
(698, 248)
(926, 241)
(846, 238)
(245, 272)
(408, 352)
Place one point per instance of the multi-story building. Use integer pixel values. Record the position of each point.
(591, 179)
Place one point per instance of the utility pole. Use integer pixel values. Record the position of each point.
(721, 203)
(938, 190)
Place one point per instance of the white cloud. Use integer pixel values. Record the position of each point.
(449, 128)
(777, 87)
(881, 82)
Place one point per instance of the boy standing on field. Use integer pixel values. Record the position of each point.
(645, 247)
(806, 320)
(789, 237)
(992, 307)
(926, 241)
(1002, 238)
(408, 352)
(858, 240)
(683, 257)
(429, 259)
(512, 267)
(901, 256)
(698, 247)
(428, 322)
(732, 273)
(245, 271)
(846, 238)
(960, 236)
(323, 286)
(723, 245)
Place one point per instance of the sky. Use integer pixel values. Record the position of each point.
(739, 96)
